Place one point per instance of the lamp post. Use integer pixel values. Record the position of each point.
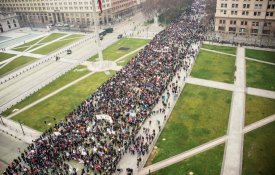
(2, 120)
(99, 49)
(21, 127)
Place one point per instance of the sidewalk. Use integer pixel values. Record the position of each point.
(14, 129)
(232, 160)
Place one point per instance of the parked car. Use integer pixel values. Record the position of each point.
(119, 36)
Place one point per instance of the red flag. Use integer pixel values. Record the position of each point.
(100, 5)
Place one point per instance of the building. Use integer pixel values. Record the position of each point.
(8, 21)
(123, 8)
(245, 17)
(43, 12)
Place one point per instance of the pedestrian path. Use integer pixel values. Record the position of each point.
(232, 161)
(260, 61)
(261, 92)
(259, 124)
(19, 131)
(210, 83)
(218, 52)
(182, 156)
(230, 87)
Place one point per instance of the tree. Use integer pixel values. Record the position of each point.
(167, 9)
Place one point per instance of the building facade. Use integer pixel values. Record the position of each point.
(77, 12)
(123, 8)
(8, 21)
(245, 17)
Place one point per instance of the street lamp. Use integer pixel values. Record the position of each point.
(21, 127)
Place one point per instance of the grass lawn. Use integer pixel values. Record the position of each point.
(258, 108)
(112, 52)
(42, 40)
(200, 115)
(214, 66)
(16, 63)
(260, 75)
(61, 104)
(205, 163)
(126, 60)
(268, 56)
(72, 75)
(58, 44)
(4, 56)
(259, 151)
(225, 49)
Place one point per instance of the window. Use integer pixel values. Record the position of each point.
(245, 13)
(257, 13)
(255, 23)
(235, 5)
(258, 6)
(222, 21)
(232, 29)
(267, 24)
(221, 28)
(246, 6)
(232, 22)
(243, 23)
(234, 13)
(269, 13)
(254, 30)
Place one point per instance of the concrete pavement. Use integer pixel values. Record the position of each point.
(182, 156)
(232, 161)
(210, 83)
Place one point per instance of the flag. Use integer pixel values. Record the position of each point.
(100, 5)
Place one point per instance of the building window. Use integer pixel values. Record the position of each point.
(234, 12)
(258, 6)
(243, 23)
(222, 21)
(232, 22)
(221, 28)
(257, 13)
(232, 29)
(269, 13)
(246, 6)
(254, 30)
(246, 13)
(267, 24)
(255, 23)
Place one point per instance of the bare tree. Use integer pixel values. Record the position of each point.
(170, 9)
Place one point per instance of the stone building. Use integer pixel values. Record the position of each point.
(8, 21)
(245, 17)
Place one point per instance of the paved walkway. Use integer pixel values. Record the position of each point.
(261, 92)
(14, 129)
(260, 61)
(259, 124)
(210, 83)
(218, 52)
(232, 161)
(182, 156)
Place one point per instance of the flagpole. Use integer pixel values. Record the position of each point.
(99, 49)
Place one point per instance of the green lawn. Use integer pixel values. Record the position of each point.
(268, 56)
(125, 61)
(42, 40)
(4, 56)
(260, 75)
(257, 108)
(259, 151)
(112, 52)
(72, 75)
(225, 49)
(205, 163)
(16, 64)
(58, 44)
(61, 104)
(214, 66)
(200, 115)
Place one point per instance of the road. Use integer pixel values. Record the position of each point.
(22, 86)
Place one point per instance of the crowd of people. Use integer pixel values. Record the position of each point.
(105, 126)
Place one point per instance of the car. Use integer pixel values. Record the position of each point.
(66, 25)
(59, 25)
(69, 51)
(119, 36)
(101, 37)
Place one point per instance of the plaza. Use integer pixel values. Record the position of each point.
(214, 116)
